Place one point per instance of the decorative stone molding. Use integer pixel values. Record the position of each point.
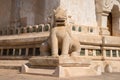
(22, 30)
(108, 5)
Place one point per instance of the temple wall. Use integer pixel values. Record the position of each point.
(37, 11)
(49, 7)
(27, 11)
(5, 9)
(82, 11)
(32, 11)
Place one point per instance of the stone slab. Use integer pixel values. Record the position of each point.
(74, 71)
(23, 39)
(12, 64)
(43, 61)
(63, 66)
(56, 61)
(111, 41)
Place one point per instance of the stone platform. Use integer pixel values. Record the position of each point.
(59, 61)
(12, 64)
(60, 66)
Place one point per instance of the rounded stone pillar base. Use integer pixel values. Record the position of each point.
(104, 32)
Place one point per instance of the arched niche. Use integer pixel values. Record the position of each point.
(114, 29)
(108, 18)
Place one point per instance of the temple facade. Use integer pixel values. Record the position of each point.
(26, 24)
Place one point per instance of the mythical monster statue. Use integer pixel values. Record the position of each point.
(61, 41)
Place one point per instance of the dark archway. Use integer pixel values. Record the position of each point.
(109, 23)
(113, 21)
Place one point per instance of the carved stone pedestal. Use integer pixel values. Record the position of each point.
(60, 67)
(105, 32)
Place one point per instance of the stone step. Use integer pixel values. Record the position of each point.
(12, 64)
(61, 71)
(41, 71)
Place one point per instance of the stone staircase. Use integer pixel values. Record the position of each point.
(41, 71)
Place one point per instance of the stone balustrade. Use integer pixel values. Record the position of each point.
(85, 29)
(45, 28)
(22, 30)
(23, 52)
(91, 53)
(94, 52)
(98, 54)
(111, 53)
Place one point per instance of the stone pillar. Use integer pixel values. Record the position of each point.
(94, 53)
(111, 54)
(86, 52)
(13, 52)
(33, 51)
(117, 53)
(26, 52)
(19, 52)
(104, 53)
(102, 22)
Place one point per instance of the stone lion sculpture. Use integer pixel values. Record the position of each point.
(61, 41)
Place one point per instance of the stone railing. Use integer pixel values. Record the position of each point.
(19, 52)
(21, 30)
(93, 52)
(99, 54)
(85, 29)
(45, 28)
(111, 53)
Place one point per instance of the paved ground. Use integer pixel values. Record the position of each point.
(15, 75)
